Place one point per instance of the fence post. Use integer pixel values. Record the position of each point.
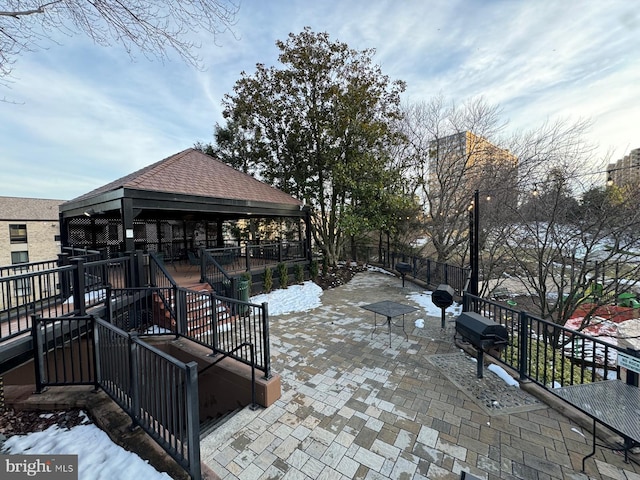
(134, 384)
(428, 272)
(214, 324)
(235, 294)
(108, 311)
(280, 250)
(181, 311)
(38, 362)
(265, 341)
(252, 350)
(78, 286)
(523, 335)
(96, 351)
(193, 420)
(130, 281)
(140, 277)
(63, 277)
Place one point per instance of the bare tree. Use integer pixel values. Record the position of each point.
(570, 249)
(154, 28)
(451, 152)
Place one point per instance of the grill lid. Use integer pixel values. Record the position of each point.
(477, 328)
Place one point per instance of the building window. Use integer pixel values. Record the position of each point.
(19, 257)
(22, 286)
(18, 233)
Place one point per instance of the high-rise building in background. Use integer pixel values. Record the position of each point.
(466, 162)
(625, 171)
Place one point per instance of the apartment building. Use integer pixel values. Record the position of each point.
(469, 156)
(29, 230)
(625, 171)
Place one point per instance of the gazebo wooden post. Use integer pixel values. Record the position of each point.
(126, 212)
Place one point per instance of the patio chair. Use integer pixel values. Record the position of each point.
(193, 260)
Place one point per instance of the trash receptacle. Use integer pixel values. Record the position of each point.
(243, 295)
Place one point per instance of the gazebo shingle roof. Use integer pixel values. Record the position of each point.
(192, 172)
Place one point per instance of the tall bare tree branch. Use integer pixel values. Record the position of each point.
(153, 28)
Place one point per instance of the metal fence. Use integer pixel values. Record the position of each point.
(145, 310)
(158, 392)
(214, 273)
(38, 292)
(64, 353)
(431, 272)
(62, 290)
(547, 353)
(227, 326)
(17, 269)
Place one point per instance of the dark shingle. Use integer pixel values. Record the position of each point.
(191, 172)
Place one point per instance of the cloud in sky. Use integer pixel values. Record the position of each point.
(84, 115)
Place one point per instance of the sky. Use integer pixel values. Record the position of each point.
(78, 115)
(99, 458)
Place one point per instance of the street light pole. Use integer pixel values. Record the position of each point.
(474, 242)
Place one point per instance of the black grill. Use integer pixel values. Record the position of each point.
(483, 333)
(403, 268)
(442, 298)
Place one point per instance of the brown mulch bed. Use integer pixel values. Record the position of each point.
(338, 275)
(20, 422)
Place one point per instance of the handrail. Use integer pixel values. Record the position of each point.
(19, 268)
(213, 273)
(545, 352)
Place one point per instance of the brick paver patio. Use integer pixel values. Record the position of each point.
(353, 407)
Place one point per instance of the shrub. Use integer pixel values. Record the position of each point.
(283, 275)
(247, 276)
(299, 273)
(325, 266)
(313, 269)
(268, 280)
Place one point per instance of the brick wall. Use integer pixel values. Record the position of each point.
(41, 243)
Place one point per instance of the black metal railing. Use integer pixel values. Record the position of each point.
(64, 352)
(158, 274)
(224, 325)
(67, 289)
(146, 310)
(220, 323)
(19, 268)
(159, 392)
(37, 292)
(431, 272)
(547, 353)
(81, 252)
(214, 274)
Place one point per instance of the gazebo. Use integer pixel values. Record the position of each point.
(186, 201)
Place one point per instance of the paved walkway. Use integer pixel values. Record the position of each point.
(352, 407)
